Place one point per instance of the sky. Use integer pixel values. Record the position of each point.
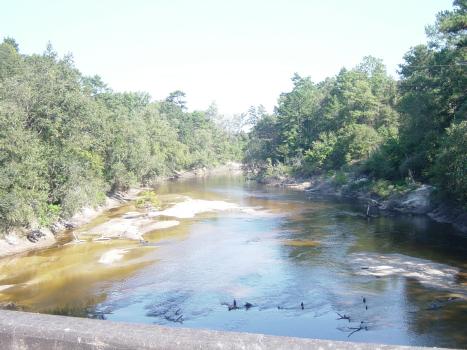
(234, 53)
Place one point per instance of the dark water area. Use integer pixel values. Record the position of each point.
(394, 280)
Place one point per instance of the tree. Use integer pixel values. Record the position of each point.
(177, 98)
(66, 139)
(450, 168)
(12, 42)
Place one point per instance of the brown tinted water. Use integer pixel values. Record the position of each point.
(401, 279)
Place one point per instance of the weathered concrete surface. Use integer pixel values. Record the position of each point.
(22, 330)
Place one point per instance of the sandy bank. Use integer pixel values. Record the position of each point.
(20, 240)
(17, 240)
(134, 225)
(130, 228)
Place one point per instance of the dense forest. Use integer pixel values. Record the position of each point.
(67, 139)
(364, 122)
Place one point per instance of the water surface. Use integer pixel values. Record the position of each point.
(401, 280)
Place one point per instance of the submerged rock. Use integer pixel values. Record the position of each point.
(112, 256)
(300, 243)
(426, 272)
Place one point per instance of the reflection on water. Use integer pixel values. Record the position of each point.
(399, 280)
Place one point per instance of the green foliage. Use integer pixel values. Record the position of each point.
(23, 170)
(382, 188)
(278, 170)
(340, 178)
(147, 198)
(67, 139)
(336, 123)
(433, 91)
(385, 161)
(362, 120)
(275, 171)
(355, 143)
(351, 145)
(48, 214)
(321, 150)
(262, 142)
(450, 168)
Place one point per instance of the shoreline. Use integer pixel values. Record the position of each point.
(416, 201)
(17, 242)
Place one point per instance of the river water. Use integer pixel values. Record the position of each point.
(400, 280)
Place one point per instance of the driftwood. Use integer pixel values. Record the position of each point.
(248, 305)
(363, 326)
(75, 240)
(178, 319)
(352, 330)
(101, 239)
(343, 317)
(234, 306)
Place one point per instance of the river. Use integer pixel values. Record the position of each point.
(400, 280)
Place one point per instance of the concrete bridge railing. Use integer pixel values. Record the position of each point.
(22, 330)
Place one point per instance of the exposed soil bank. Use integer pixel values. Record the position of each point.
(419, 200)
(22, 240)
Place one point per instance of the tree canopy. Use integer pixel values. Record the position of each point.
(67, 139)
(363, 120)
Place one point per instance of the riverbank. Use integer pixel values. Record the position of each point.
(22, 240)
(380, 197)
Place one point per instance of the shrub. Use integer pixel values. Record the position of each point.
(317, 156)
(48, 214)
(147, 198)
(340, 178)
(450, 168)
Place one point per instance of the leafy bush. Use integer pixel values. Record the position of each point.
(48, 214)
(355, 143)
(349, 146)
(382, 188)
(386, 161)
(147, 198)
(450, 168)
(67, 139)
(385, 188)
(340, 178)
(317, 156)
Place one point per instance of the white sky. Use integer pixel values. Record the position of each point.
(236, 53)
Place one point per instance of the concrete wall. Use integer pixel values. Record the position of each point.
(22, 330)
